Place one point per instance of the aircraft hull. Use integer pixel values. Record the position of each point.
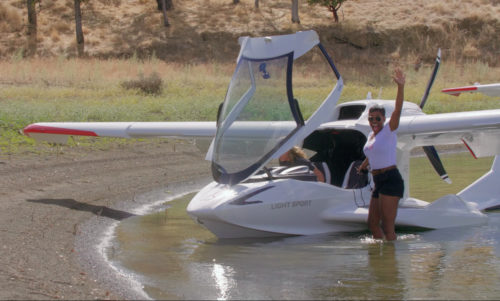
(293, 207)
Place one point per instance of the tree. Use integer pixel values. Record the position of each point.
(80, 43)
(295, 11)
(333, 6)
(169, 4)
(164, 10)
(32, 26)
(163, 6)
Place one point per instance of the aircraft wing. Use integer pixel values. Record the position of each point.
(478, 130)
(58, 132)
(490, 90)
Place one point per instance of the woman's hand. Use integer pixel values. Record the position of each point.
(363, 167)
(361, 170)
(399, 77)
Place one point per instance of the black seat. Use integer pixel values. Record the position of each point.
(352, 179)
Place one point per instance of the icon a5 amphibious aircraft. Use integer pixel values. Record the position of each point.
(261, 119)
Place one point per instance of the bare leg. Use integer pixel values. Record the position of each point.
(374, 217)
(388, 212)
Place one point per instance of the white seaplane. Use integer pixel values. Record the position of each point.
(260, 119)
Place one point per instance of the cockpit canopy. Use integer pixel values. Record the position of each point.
(260, 116)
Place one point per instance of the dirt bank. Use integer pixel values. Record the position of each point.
(45, 199)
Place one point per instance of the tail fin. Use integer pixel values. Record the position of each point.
(485, 191)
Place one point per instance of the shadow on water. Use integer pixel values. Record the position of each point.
(97, 210)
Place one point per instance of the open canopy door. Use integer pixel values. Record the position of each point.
(260, 117)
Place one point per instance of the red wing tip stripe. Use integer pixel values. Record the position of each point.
(42, 129)
(456, 91)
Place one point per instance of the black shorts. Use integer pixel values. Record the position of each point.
(388, 183)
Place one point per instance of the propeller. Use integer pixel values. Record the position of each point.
(433, 156)
(431, 80)
(431, 151)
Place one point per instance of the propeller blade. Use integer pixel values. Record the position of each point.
(433, 156)
(431, 80)
(430, 151)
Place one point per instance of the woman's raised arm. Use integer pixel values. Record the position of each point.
(399, 79)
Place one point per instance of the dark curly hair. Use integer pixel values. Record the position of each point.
(377, 108)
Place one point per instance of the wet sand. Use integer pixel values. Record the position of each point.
(55, 206)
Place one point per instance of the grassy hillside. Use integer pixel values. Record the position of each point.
(207, 30)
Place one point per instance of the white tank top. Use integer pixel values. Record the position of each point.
(380, 149)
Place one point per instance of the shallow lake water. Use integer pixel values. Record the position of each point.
(175, 258)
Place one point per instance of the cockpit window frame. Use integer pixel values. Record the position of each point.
(291, 100)
(290, 137)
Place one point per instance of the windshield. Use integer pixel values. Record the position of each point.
(260, 117)
(257, 115)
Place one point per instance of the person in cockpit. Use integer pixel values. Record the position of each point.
(296, 156)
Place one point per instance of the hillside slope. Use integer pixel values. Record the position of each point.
(204, 30)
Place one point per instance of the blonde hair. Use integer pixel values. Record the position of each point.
(296, 152)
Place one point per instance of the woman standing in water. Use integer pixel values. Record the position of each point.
(380, 151)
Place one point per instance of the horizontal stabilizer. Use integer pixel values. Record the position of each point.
(490, 90)
(458, 91)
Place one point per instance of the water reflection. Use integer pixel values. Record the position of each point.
(176, 259)
(383, 266)
(223, 279)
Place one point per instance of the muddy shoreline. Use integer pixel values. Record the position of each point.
(55, 206)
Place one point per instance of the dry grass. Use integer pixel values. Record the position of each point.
(63, 27)
(10, 20)
(419, 27)
(54, 35)
(207, 30)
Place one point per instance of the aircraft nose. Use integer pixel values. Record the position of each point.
(198, 208)
(205, 202)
